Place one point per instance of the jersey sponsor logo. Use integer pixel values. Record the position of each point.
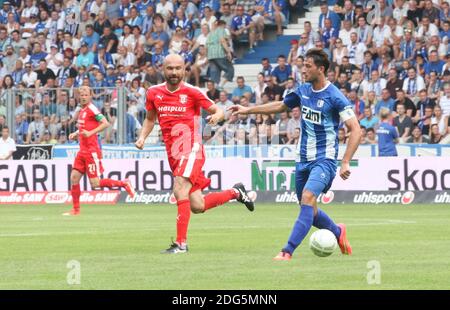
(311, 115)
(171, 109)
(183, 99)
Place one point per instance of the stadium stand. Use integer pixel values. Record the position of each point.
(393, 56)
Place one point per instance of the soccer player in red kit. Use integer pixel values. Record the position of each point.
(88, 160)
(177, 105)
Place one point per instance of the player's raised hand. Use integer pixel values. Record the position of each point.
(345, 170)
(237, 109)
(140, 143)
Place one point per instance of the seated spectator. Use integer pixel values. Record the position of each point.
(435, 135)
(386, 102)
(393, 84)
(440, 120)
(243, 28)
(242, 89)
(402, 122)
(224, 104)
(7, 144)
(342, 82)
(369, 121)
(371, 137)
(357, 103)
(47, 139)
(444, 100)
(424, 122)
(409, 105)
(212, 92)
(281, 129)
(282, 72)
(413, 83)
(294, 122)
(35, 129)
(266, 67)
(43, 74)
(417, 136)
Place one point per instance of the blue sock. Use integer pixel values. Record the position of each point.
(301, 228)
(323, 221)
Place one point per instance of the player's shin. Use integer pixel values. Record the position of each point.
(300, 229)
(323, 221)
(76, 193)
(213, 200)
(184, 214)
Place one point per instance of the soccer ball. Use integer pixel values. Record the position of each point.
(323, 242)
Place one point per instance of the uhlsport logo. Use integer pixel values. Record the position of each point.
(327, 197)
(407, 198)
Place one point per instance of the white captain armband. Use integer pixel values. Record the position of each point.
(347, 114)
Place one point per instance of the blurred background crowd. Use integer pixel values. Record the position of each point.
(387, 55)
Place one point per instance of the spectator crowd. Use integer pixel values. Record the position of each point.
(392, 56)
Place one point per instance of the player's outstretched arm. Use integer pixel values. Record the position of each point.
(269, 108)
(147, 128)
(216, 115)
(352, 145)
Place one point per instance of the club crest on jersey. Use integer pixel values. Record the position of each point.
(320, 103)
(183, 99)
(84, 115)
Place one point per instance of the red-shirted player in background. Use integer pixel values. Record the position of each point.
(88, 160)
(177, 105)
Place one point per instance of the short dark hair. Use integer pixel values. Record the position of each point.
(319, 57)
(5, 126)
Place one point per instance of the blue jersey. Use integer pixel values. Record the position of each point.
(387, 134)
(321, 113)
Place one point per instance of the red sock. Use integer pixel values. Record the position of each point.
(184, 214)
(216, 199)
(110, 183)
(76, 193)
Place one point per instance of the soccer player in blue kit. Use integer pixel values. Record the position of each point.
(322, 105)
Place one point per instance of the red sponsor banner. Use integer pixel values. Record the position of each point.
(92, 197)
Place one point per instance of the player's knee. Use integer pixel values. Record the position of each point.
(180, 189)
(95, 184)
(308, 198)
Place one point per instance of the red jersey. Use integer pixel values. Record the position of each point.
(88, 119)
(178, 113)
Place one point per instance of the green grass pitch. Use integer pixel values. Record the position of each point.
(230, 248)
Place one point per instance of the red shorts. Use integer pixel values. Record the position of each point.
(190, 166)
(89, 163)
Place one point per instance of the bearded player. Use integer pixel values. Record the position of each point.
(88, 159)
(177, 105)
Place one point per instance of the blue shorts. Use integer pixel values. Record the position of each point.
(314, 176)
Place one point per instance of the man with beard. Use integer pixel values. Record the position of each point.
(177, 105)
